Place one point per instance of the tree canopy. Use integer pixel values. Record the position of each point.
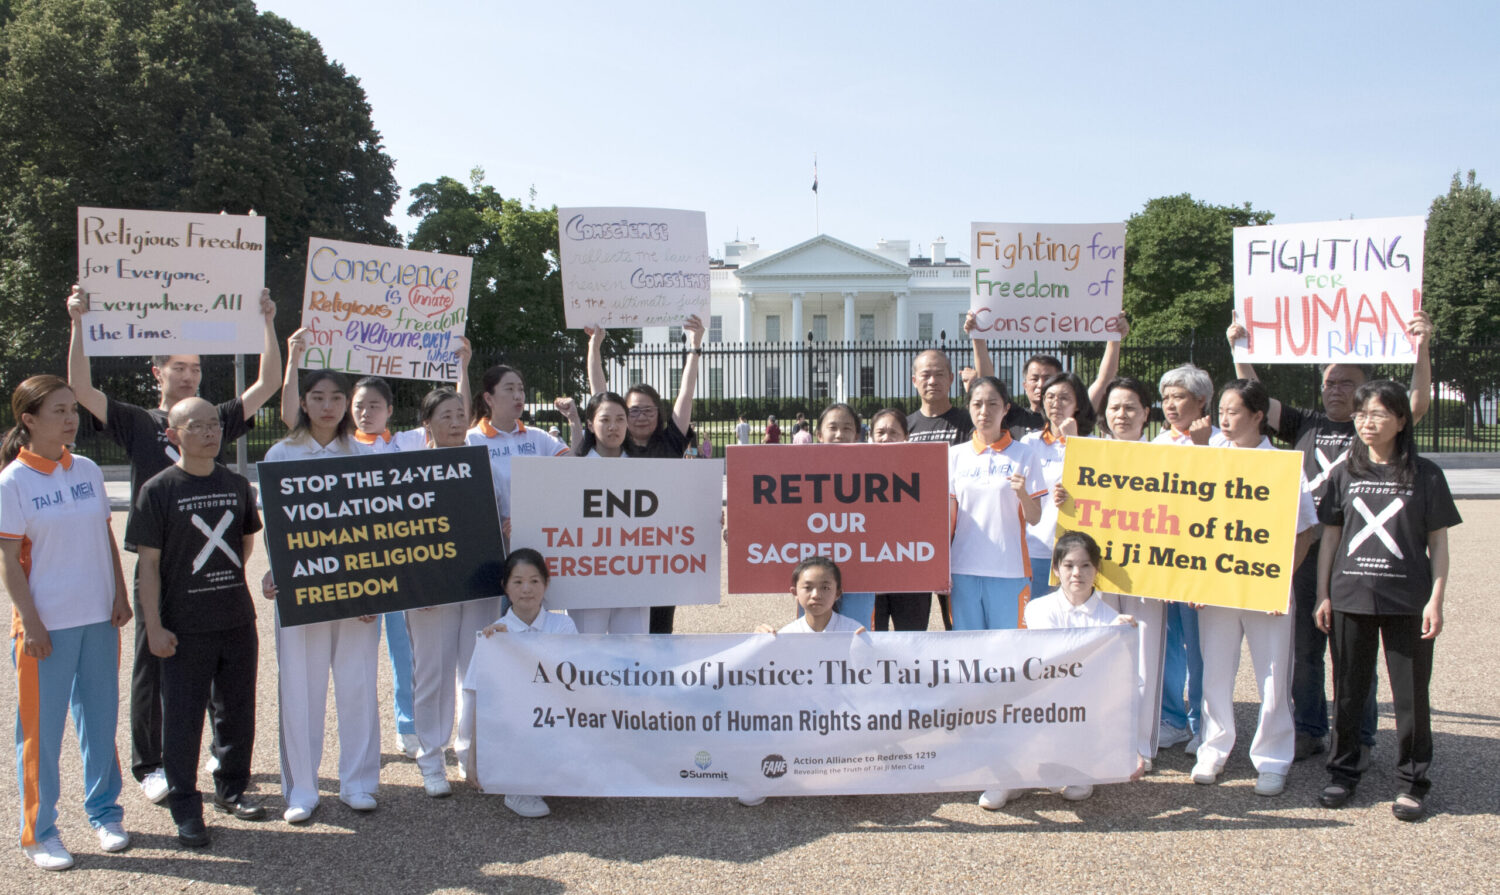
(1461, 286)
(515, 301)
(173, 105)
(1179, 267)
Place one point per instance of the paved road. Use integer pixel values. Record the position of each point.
(1163, 834)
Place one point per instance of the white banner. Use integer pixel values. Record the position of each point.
(621, 532)
(1047, 281)
(633, 267)
(167, 282)
(804, 714)
(1334, 292)
(378, 311)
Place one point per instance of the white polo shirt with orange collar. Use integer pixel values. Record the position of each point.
(1170, 435)
(388, 443)
(1048, 449)
(989, 534)
(525, 441)
(59, 512)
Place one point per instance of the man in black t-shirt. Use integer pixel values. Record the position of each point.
(1324, 438)
(142, 433)
(194, 527)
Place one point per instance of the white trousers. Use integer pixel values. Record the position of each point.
(442, 642)
(1220, 632)
(1151, 622)
(306, 654)
(631, 620)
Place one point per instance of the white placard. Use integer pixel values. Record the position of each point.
(621, 532)
(379, 311)
(633, 267)
(169, 282)
(1332, 292)
(1047, 281)
(803, 714)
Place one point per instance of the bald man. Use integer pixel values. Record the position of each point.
(194, 527)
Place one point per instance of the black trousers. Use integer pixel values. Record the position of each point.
(902, 612)
(218, 668)
(946, 611)
(661, 619)
(1355, 641)
(145, 700)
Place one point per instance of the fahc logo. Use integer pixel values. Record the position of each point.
(773, 766)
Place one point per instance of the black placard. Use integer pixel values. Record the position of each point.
(375, 533)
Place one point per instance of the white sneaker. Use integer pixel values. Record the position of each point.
(113, 838)
(154, 787)
(359, 801)
(1192, 745)
(1146, 766)
(212, 764)
(1205, 774)
(1076, 793)
(995, 799)
(297, 814)
(1269, 784)
(528, 806)
(749, 802)
(49, 854)
(1168, 736)
(437, 786)
(410, 744)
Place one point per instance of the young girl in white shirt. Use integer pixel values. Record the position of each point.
(525, 576)
(1075, 604)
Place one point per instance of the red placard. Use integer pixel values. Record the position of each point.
(879, 510)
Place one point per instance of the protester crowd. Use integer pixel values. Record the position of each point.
(1371, 566)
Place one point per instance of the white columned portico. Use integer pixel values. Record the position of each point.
(799, 343)
(749, 385)
(903, 311)
(850, 371)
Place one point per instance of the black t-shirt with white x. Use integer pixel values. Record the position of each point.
(1382, 566)
(199, 524)
(1324, 444)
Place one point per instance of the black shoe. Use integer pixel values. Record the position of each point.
(1336, 795)
(242, 807)
(1408, 807)
(192, 833)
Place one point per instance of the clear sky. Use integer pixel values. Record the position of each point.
(925, 117)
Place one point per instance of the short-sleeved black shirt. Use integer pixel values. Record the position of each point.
(1382, 566)
(953, 426)
(198, 523)
(1020, 420)
(1324, 444)
(143, 435)
(668, 441)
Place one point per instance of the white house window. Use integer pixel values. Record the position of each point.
(773, 332)
(716, 382)
(635, 375)
(867, 382)
(674, 334)
(820, 328)
(716, 328)
(924, 326)
(867, 327)
(773, 381)
(638, 334)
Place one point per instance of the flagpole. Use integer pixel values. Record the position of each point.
(817, 211)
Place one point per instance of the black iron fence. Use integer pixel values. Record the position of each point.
(786, 379)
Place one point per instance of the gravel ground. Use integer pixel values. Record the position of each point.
(1164, 834)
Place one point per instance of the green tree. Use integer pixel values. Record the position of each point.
(1461, 287)
(1179, 268)
(515, 300)
(177, 105)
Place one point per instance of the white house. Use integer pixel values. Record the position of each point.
(823, 290)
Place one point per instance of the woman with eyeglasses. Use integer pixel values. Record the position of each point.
(1382, 571)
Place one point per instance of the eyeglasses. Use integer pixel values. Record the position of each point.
(198, 428)
(637, 413)
(1374, 416)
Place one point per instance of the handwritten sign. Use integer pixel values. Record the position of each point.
(633, 267)
(373, 533)
(167, 282)
(1335, 292)
(878, 510)
(804, 714)
(374, 310)
(621, 532)
(1047, 281)
(1196, 524)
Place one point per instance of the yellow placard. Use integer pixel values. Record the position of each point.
(1196, 524)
